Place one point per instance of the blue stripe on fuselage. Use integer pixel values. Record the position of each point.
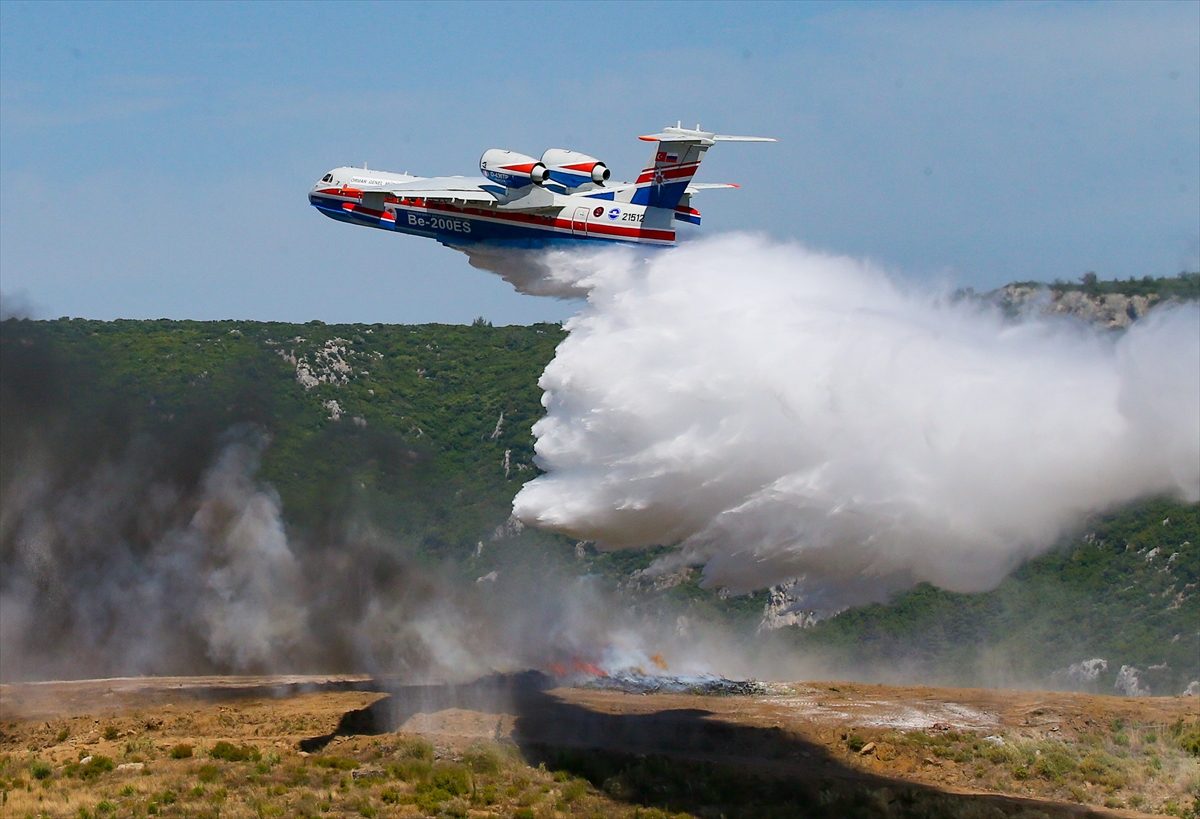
(455, 229)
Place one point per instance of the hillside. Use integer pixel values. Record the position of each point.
(1123, 594)
(392, 446)
(426, 430)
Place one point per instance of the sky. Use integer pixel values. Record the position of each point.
(155, 157)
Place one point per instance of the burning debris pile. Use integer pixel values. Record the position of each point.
(634, 681)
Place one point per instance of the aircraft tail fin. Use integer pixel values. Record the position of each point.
(677, 156)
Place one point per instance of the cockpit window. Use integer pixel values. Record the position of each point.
(327, 177)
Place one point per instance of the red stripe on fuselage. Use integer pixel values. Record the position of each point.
(544, 222)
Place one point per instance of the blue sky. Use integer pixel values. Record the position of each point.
(154, 157)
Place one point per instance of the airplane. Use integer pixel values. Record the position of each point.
(565, 197)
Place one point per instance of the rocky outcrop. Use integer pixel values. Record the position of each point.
(642, 580)
(785, 607)
(1109, 310)
(1086, 672)
(1128, 683)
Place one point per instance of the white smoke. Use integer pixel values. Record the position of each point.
(782, 413)
(251, 611)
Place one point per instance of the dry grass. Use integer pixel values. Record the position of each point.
(396, 776)
(240, 758)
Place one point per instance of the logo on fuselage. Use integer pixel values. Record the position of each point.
(614, 213)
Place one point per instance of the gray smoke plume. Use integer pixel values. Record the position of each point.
(780, 413)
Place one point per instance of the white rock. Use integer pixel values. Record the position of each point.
(1087, 671)
(1128, 684)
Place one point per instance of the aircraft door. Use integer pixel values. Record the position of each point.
(579, 222)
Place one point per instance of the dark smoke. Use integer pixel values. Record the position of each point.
(134, 543)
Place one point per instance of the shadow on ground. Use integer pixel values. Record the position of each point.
(683, 760)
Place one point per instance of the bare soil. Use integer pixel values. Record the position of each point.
(522, 746)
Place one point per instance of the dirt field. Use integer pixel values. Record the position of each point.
(518, 746)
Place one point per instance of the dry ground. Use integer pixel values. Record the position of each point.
(517, 746)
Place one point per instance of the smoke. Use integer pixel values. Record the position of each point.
(781, 413)
(127, 569)
(132, 545)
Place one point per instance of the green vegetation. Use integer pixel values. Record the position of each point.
(415, 439)
(229, 752)
(1184, 286)
(1125, 591)
(335, 763)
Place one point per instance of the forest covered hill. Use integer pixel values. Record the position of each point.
(423, 433)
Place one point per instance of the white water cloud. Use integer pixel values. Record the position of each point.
(779, 412)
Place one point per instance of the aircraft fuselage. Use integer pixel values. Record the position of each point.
(348, 196)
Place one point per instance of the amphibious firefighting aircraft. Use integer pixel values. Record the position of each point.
(524, 202)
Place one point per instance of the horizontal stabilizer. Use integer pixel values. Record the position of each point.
(677, 134)
(696, 187)
(728, 138)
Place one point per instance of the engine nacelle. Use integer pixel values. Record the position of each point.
(512, 170)
(572, 169)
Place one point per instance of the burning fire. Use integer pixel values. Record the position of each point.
(577, 667)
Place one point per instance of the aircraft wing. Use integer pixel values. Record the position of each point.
(442, 189)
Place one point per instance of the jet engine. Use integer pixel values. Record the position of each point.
(512, 170)
(572, 169)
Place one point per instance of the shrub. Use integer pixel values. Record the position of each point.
(336, 763)
(40, 770)
(454, 779)
(181, 751)
(1101, 769)
(855, 743)
(208, 772)
(95, 766)
(1001, 754)
(417, 749)
(574, 790)
(482, 759)
(1054, 764)
(457, 808)
(62, 735)
(411, 770)
(110, 733)
(1186, 736)
(139, 749)
(390, 796)
(229, 752)
(430, 799)
(105, 807)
